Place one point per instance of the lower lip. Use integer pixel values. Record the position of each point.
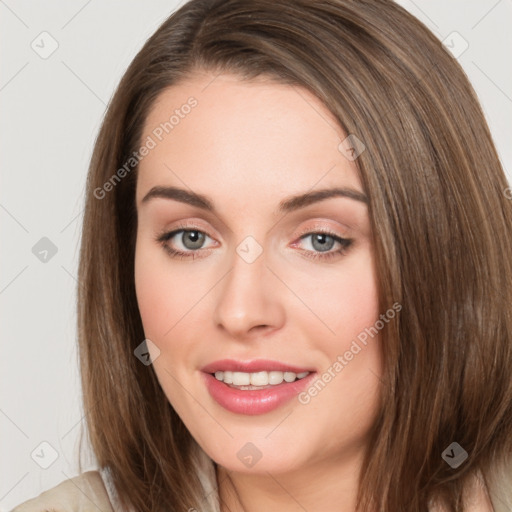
(254, 401)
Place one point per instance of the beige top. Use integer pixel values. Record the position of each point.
(84, 493)
(92, 491)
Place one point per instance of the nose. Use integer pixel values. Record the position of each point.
(249, 300)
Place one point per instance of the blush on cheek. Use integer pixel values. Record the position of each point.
(346, 307)
(164, 293)
(150, 287)
(155, 311)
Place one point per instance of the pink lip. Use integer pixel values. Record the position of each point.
(256, 365)
(254, 401)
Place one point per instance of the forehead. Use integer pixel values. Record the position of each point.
(257, 139)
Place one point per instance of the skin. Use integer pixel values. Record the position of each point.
(248, 146)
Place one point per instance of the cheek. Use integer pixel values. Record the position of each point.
(343, 328)
(164, 295)
(149, 287)
(343, 300)
(357, 297)
(157, 292)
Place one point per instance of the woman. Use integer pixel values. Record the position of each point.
(295, 274)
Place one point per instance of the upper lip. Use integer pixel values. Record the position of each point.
(253, 366)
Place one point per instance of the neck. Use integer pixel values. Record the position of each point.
(327, 486)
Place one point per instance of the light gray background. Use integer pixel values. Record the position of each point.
(52, 110)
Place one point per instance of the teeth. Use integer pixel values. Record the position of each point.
(258, 378)
(275, 377)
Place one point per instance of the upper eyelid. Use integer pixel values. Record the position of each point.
(194, 225)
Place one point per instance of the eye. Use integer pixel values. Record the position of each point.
(322, 242)
(191, 241)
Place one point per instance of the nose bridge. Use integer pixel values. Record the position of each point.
(247, 298)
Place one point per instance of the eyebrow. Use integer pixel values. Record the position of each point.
(285, 206)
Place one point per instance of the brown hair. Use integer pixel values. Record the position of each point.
(441, 232)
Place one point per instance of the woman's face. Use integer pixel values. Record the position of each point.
(268, 282)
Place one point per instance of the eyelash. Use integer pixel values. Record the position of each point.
(346, 243)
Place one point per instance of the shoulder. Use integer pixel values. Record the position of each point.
(82, 493)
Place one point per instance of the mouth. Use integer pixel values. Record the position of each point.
(254, 387)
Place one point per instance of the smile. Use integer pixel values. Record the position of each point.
(246, 388)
